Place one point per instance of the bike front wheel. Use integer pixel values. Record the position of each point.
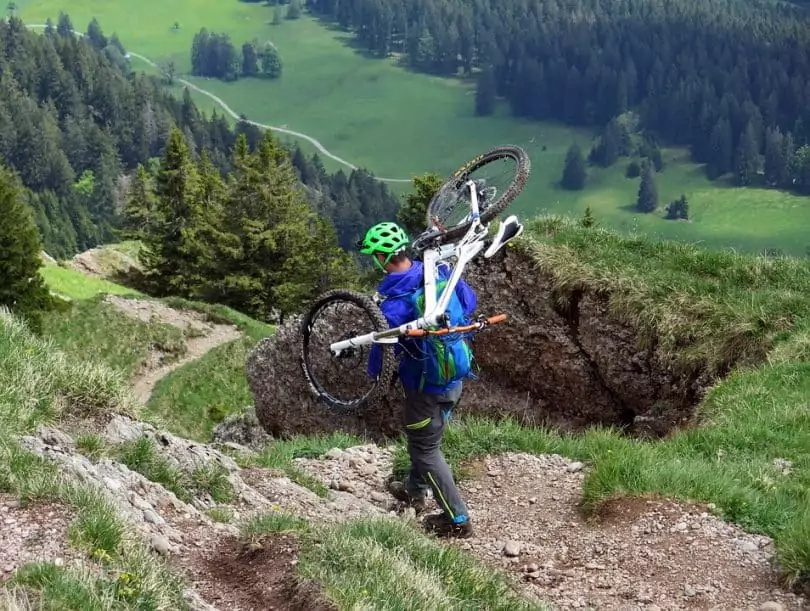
(500, 176)
(342, 382)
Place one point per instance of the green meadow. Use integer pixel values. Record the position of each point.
(398, 124)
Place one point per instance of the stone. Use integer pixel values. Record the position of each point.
(771, 606)
(334, 454)
(160, 544)
(511, 549)
(379, 497)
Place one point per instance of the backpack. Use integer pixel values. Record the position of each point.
(445, 358)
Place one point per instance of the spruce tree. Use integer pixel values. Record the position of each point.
(177, 254)
(574, 172)
(22, 288)
(647, 191)
(278, 253)
(485, 93)
(138, 215)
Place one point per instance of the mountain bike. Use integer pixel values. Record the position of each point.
(336, 343)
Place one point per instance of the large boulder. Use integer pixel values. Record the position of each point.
(560, 362)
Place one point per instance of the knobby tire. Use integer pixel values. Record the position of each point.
(491, 210)
(383, 381)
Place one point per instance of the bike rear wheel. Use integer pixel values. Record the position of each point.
(342, 383)
(515, 168)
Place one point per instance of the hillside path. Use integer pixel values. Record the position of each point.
(206, 336)
(321, 148)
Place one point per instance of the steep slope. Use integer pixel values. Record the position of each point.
(699, 361)
(601, 330)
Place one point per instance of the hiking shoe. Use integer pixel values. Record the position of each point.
(442, 526)
(400, 492)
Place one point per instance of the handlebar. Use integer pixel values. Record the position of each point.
(482, 322)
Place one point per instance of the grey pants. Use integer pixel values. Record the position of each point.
(425, 417)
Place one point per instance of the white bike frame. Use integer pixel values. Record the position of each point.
(465, 250)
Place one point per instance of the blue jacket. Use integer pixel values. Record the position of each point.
(397, 310)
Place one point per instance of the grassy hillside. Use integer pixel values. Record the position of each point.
(191, 399)
(397, 123)
(41, 384)
(749, 457)
(76, 370)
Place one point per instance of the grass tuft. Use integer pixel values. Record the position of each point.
(705, 310)
(212, 479)
(94, 328)
(221, 513)
(37, 380)
(280, 453)
(141, 455)
(254, 529)
(385, 562)
(91, 445)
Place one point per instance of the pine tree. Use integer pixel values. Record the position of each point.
(587, 219)
(271, 61)
(747, 158)
(22, 289)
(647, 191)
(138, 216)
(775, 166)
(250, 59)
(574, 172)
(294, 9)
(278, 252)
(678, 209)
(485, 93)
(176, 254)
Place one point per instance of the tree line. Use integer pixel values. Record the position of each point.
(214, 55)
(76, 121)
(251, 241)
(725, 78)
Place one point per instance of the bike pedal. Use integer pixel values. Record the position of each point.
(508, 231)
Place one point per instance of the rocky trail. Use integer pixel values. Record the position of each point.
(640, 554)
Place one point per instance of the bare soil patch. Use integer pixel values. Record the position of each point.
(32, 533)
(233, 576)
(639, 553)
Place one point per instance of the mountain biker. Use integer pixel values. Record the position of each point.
(425, 409)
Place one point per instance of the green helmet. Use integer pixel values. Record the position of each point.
(388, 238)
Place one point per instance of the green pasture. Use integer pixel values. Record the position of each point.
(396, 123)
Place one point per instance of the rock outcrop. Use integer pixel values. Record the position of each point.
(564, 364)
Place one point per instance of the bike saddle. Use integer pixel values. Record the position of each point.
(508, 231)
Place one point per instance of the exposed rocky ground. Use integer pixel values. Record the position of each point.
(563, 362)
(29, 533)
(640, 554)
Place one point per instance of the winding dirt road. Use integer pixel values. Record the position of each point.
(321, 148)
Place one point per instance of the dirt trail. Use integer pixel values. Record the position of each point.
(641, 554)
(205, 336)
